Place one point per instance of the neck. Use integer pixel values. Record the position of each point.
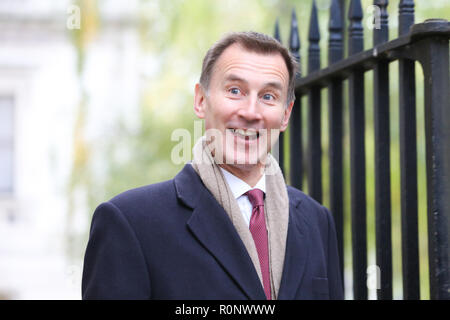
(249, 174)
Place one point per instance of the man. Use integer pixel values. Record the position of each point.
(227, 226)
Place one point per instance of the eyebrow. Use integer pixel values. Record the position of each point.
(274, 84)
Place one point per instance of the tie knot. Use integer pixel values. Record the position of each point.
(256, 197)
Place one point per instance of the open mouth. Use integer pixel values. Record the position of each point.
(247, 134)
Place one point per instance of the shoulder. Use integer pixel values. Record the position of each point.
(138, 204)
(164, 202)
(145, 195)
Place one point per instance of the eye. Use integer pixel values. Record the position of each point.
(234, 91)
(268, 96)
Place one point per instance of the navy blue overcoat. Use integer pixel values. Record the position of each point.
(172, 240)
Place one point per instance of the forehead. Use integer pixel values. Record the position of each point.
(237, 60)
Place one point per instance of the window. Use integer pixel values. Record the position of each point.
(6, 144)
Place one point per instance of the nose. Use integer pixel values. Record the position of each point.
(250, 110)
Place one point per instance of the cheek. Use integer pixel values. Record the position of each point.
(274, 119)
(219, 113)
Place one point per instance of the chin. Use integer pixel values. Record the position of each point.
(243, 159)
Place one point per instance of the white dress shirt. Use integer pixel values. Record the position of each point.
(238, 188)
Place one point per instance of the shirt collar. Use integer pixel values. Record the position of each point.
(239, 187)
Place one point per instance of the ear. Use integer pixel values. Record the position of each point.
(286, 116)
(199, 101)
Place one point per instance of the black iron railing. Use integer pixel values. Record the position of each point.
(426, 43)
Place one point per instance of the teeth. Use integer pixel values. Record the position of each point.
(245, 133)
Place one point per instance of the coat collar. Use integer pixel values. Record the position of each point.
(212, 227)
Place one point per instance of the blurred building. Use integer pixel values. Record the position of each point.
(40, 91)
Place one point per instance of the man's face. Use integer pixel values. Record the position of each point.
(245, 107)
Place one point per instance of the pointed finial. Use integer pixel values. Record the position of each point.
(381, 30)
(355, 10)
(335, 22)
(335, 49)
(355, 29)
(276, 34)
(405, 16)
(294, 38)
(314, 38)
(294, 41)
(314, 34)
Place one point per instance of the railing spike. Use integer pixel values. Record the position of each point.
(314, 38)
(281, 138)
(276, 34)
(355, 10)
(295, 131)
(335, 125)
(335, 49)
(406, 16)
(294, 38)
(335, 16)
(314, 34)
(381, 30)
(355, 29)
(294, 41)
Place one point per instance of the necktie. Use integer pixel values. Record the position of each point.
(259, 234)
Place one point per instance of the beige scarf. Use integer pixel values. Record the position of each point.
(276, 206)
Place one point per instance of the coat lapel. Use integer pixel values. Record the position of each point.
(211, 226)
(296, 252)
